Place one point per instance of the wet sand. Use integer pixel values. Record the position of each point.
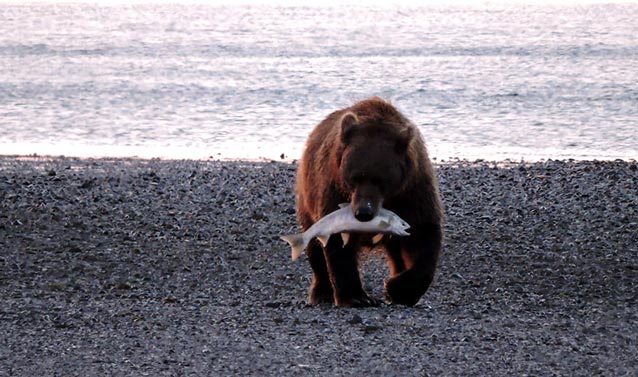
(147, 267)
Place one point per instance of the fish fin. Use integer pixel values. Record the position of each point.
(377, 238)
(297, 244)
(345, 237)
(323, 239)
(384, 224)
(343, 205)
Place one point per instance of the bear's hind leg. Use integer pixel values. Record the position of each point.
(321, 289)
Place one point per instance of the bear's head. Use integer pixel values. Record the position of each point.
(373, 161)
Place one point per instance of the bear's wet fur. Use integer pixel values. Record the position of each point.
(370, 155)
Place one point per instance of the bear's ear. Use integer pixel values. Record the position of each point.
(403, 140)
(348, 127)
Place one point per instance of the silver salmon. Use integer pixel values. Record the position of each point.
(343, 221)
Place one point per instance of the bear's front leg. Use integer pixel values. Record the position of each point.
(343, 269)
(420, 253)
(321, 288)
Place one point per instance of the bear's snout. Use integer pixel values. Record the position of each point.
(364, 211)
(366, 201)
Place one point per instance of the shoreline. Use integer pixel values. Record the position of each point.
(133, 266)
(288, 160)
(289, 152)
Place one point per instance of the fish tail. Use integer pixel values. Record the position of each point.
(297, 244)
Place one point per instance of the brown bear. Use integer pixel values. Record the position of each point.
(370, 155)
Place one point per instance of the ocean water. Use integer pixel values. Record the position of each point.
(196, 81)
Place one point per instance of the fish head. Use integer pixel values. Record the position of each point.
(399, 226)
(403, 224)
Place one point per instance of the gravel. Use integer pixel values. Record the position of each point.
(150, 267)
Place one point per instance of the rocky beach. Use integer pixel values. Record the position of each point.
(131, 267)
